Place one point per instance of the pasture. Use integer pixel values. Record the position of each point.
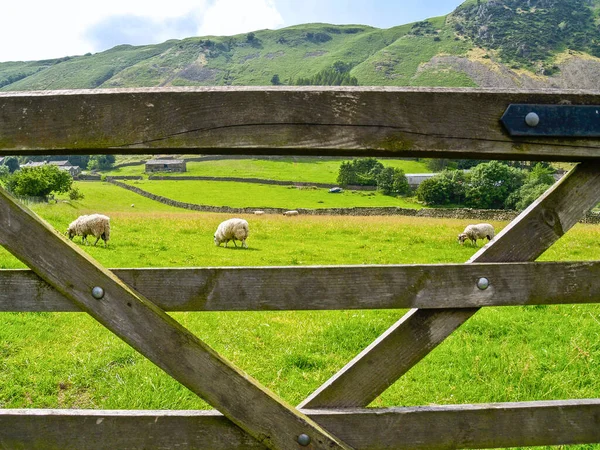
(67, 360)
(305, 169)
(238, 195)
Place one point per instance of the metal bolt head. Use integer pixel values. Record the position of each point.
(304, 440)
(483, 283)
(97, 292)
(532, 119)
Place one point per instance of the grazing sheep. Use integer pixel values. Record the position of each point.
(97, 225)
(259, 213)
(291, 213)
(474, 232)
(230, 230)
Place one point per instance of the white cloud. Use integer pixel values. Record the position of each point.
(41, 29)
(228, 17)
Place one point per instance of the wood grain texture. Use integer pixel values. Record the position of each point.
(153, 333)
(409, 340)
(427, 427)
(363, 121)
(329, 288)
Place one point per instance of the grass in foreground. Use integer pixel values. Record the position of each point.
(502, 354)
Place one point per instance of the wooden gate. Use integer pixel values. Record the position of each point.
(457, 123)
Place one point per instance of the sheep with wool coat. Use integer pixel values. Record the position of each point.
(230, 230)
(97, 225)
(474, 232)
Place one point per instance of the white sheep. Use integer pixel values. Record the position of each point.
(96, 225)
(230, 230)
(259, 213)
(291, 213)
(474, 232)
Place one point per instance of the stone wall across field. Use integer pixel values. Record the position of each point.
(446, 213)
(125, 177)
(257, 181)
(90, 177)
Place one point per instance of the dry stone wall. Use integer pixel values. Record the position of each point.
(256, 180)
(446, 213)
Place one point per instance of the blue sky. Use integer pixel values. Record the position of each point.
(42, 29)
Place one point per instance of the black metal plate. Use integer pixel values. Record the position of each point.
(554, 120)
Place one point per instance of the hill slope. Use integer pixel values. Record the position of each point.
(495, 43)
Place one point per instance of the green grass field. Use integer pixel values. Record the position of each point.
(67, 360)
(315, 170)
(234, 194)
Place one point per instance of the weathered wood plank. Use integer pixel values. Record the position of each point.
(153, 333)
(428, 427)
(421, 330)
(363, 121)
(330, 288)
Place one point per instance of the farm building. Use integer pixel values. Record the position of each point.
(415, 179)
(166, 165)
(73, 170)
(33, 164)
(66, 166)
(62, 165)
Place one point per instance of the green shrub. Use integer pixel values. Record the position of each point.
(492, 183)
(39, 181)
(360, 171)
(12, 162)
(101, 162)
(75, 194)
(538, 181)
(393, 181)
(445, 188)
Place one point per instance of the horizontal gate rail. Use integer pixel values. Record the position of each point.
(423, 427)
(338, 121)
(330, 288)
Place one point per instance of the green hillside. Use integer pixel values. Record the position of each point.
(495, 43)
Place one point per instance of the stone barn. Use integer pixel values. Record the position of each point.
(166, 165)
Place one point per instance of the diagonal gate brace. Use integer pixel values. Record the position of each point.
(154, 334)
(416, 334)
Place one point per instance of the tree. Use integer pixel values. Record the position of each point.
(439, 164)
(12, 162)
(101, 162)
(39, 181)
(445, 188)
(360, 171)
(492, 183)
(275, 80)
(4, 173)
(393, 181)
(538, 181)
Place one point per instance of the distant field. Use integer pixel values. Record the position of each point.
(316, 170)
(502, 354)
(225, 193)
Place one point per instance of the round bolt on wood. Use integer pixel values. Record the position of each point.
(483, 283)
(97, 292)
(532, 119)
(304, 440)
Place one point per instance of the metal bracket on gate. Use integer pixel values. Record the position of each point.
(552, 120)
